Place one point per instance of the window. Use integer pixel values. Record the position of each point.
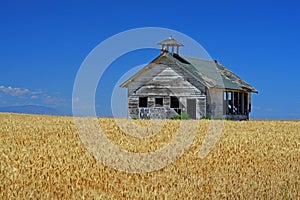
(143, 102)
(174, 102)
(159, 102)
(229, 96)
(228, 103)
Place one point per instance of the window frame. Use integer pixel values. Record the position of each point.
(172, 102)
(145, 101)
(158, 105)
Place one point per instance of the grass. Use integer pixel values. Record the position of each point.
(43, 157)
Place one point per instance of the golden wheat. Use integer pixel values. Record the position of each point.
(43, 157)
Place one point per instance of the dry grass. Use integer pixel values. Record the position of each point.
(43, 157)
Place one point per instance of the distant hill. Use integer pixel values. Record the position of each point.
(30, 109)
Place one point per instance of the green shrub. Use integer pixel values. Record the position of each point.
(176, 117)
(218, 118)
(205, 117)
(183, 115)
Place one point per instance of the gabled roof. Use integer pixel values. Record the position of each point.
(210, 73)
(220, 76)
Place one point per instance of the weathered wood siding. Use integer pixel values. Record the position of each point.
(151, 71)
(165, 74)
(152, 113)
(214, 106)
(165, 84)
(200, 104)
(184, 74)
(162, 80)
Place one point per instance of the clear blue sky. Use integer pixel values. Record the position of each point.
(43, 44)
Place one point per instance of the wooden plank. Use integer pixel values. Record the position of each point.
(164, 73)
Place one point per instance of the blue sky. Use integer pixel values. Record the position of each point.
(43, 44)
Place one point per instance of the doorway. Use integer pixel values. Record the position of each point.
(191, 108)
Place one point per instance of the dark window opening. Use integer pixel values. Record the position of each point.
(143, 102)
(228, 102)
(246, 111)
(159, 102)
(240, 104)
(235, 102)
(174, 103)
(229, 95)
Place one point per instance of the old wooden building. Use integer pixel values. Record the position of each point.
(172, 84)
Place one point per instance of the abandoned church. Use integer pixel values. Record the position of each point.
(172, 84)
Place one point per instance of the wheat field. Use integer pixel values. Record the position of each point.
(43, 157)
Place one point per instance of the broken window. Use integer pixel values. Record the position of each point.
(159, 102)
(228, 102)
(235, 102)
(229, 95)
(174, 103)
(143, 102)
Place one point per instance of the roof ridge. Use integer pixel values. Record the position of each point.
(201, 59)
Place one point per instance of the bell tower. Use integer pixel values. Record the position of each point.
(169, 45)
